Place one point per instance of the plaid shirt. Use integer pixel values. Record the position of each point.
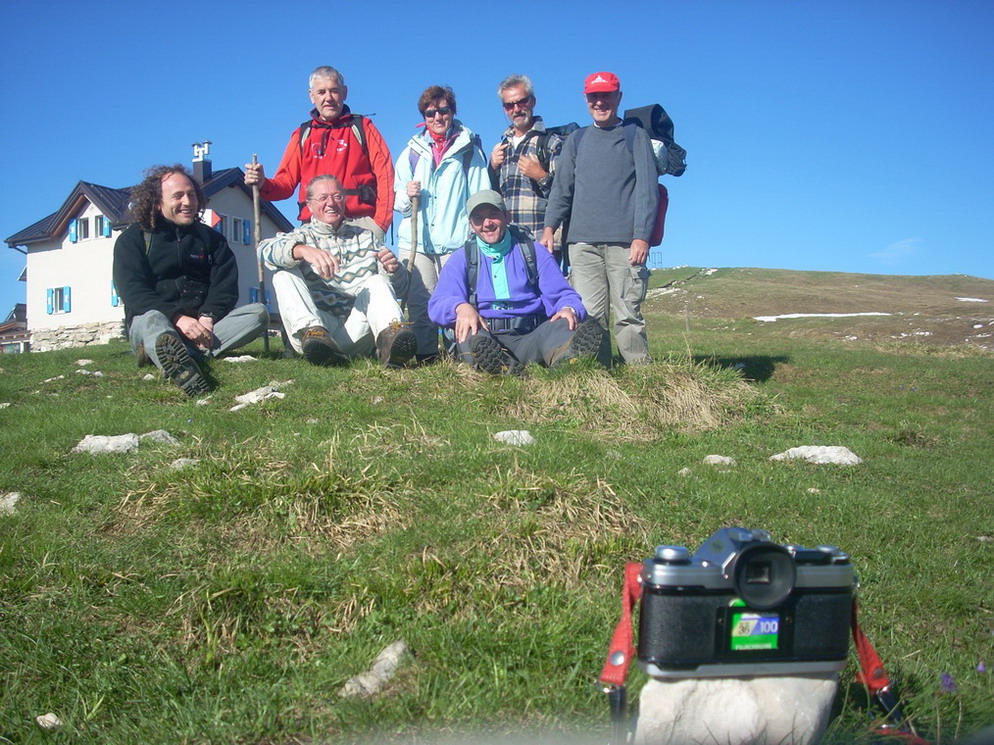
(526, 198)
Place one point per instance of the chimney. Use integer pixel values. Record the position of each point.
(201, 165)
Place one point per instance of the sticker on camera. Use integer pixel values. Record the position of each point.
(755, 631)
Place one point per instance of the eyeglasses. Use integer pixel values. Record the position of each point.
(323, 199)
(522, 102)
(443, 111)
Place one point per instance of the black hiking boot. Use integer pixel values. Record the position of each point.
(583, 345)
(490, 357)
(179, 366)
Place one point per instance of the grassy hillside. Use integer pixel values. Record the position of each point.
(229, 600)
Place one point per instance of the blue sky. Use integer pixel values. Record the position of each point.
(821, 134)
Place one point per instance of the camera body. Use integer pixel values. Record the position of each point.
(744, 606)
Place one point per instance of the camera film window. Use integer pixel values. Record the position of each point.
(751, 630)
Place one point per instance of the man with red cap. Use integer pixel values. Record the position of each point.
(606, 187)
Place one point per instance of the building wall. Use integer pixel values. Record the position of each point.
(85, 267)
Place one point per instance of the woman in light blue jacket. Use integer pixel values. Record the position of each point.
(443, 166)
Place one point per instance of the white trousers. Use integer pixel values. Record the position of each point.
(374, 310)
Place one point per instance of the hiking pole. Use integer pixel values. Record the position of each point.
(257, 238)
(415, 207)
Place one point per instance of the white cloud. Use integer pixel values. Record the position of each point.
(897, 252)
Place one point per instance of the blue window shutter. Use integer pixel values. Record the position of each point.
(253, 294)
(107, 230)
(247, 230)
(72, 231)
(66, 302)
(50, 300)
(114, 300)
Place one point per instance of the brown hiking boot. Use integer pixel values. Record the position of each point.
(584, 344)
(319, 348)
(395, 345)
(179, 366)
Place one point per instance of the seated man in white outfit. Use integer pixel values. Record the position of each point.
(336, 287)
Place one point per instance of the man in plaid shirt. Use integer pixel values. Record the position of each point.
(523, 163)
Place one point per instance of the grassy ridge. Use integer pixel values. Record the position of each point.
(229, 601)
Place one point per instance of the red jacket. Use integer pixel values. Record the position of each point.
(332, 148)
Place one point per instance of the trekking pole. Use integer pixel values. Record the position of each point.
(415, 207)
(257, 238)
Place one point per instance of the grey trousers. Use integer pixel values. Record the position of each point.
(606, 281)
(537, 346)
(239, 327)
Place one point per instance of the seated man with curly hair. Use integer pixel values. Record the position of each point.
(179, 281)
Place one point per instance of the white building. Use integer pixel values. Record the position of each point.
(71, 298)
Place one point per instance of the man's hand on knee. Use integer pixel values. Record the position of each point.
(468, 322)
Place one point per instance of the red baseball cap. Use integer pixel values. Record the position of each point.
(601, 82)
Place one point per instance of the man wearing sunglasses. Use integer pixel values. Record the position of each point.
(335, 284)
(606, 186)
(337, 142)
(523, 163)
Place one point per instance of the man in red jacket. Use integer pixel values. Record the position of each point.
(339, 143)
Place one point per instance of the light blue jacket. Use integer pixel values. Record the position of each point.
(443, 224)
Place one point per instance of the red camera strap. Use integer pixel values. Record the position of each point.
(871, 672)
(622, 649)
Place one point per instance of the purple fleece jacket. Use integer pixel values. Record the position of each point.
(555, 292)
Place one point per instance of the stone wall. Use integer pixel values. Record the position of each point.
(65, 337)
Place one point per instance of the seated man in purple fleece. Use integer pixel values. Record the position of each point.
(521, 309)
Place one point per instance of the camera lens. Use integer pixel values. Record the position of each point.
(763, 575)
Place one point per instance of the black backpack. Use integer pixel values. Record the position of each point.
(658, 125)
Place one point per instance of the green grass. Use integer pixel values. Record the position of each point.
(229, 601)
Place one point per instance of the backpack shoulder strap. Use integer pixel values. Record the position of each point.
(304, 129)
(472, 269)
(360, 133)
(528, 252)
(467, 157)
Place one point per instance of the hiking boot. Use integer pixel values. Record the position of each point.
(489, 357)
(585, 343)
(395, 345)
(179, 366)
(319, 348)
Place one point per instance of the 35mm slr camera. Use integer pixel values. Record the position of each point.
(743, 606)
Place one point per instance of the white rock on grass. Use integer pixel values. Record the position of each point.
(243, 358)
(821, 454)
(181, 463)
(766, 710)
(57, 377)
(84, 362)
(5, 405)
(48, 721)
(160, 435)
(8, 502)
(384, 668)
(719, 460)
(102, 444)
(685, 472)
(254, 397)
(148, 376)
(515, 437)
